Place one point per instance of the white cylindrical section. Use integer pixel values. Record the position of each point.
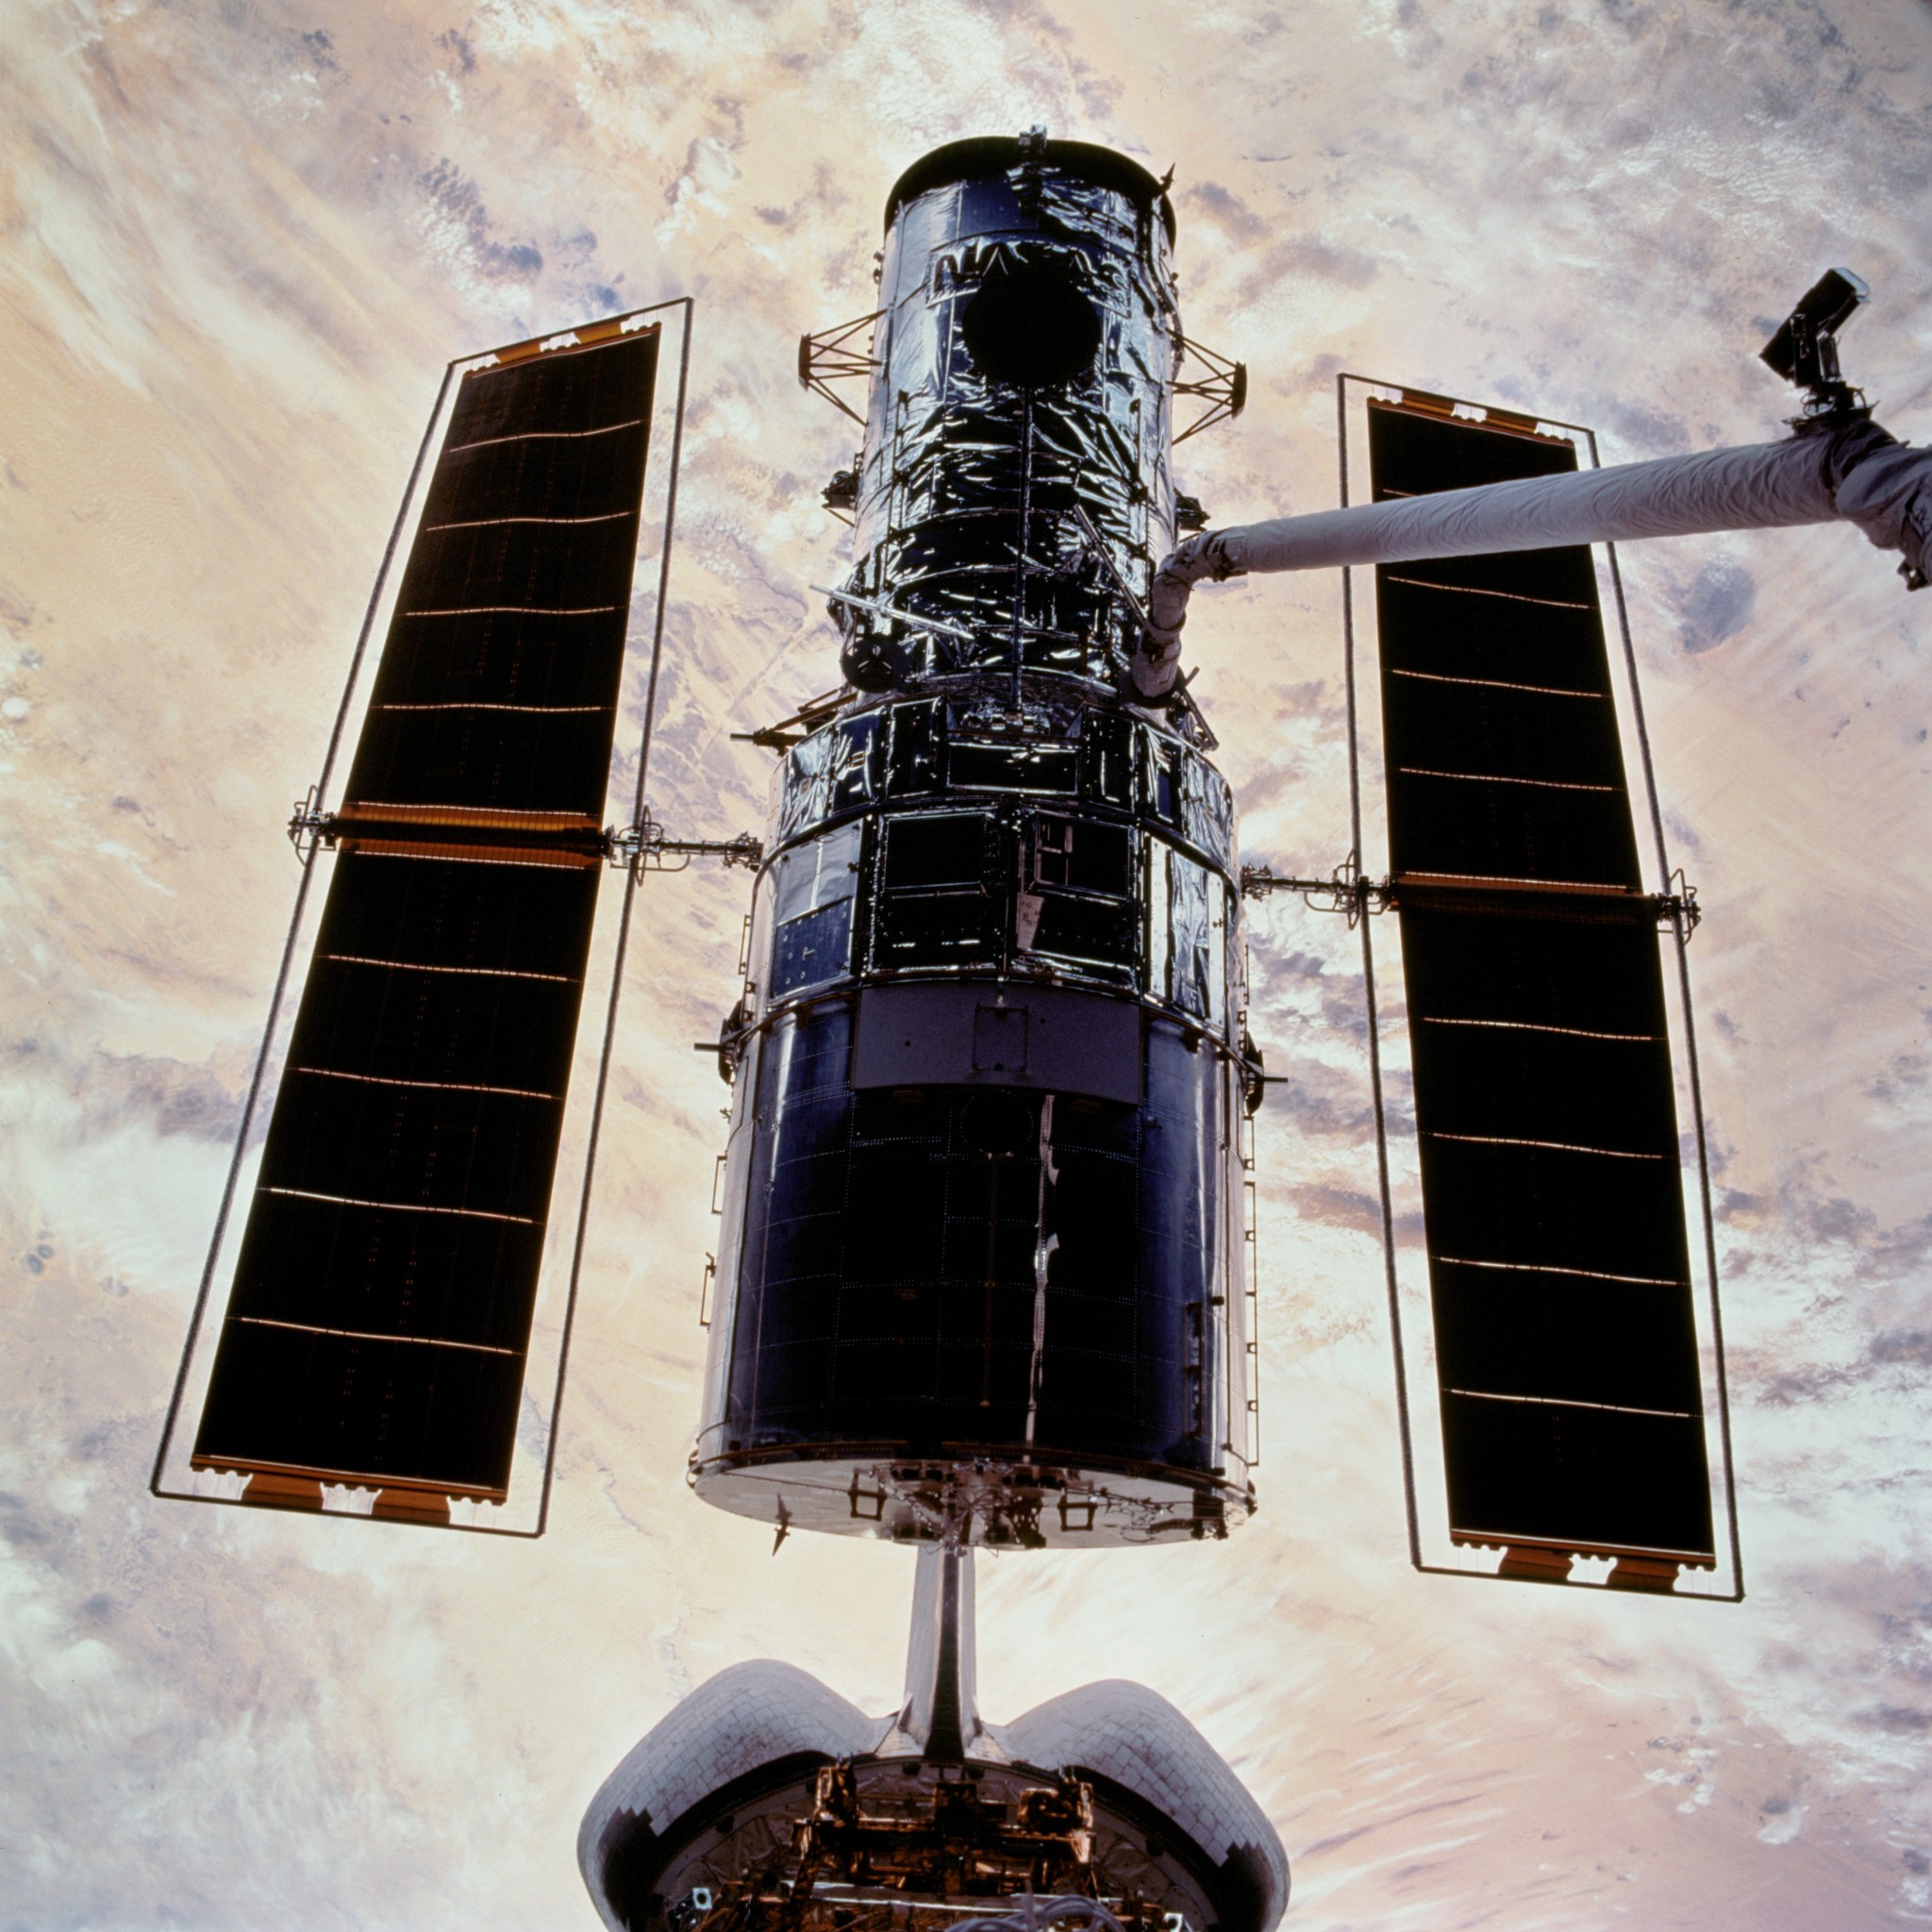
(939, 1711)
(1852, 470)
(1764, 485)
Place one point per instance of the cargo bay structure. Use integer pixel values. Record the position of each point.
(985, 1275)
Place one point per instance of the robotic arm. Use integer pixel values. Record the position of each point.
(1839, 466)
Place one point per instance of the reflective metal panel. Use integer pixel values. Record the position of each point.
(983, 1256)
(1023, 357)
(964, 1266)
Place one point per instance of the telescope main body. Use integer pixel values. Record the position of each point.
(983, 1271)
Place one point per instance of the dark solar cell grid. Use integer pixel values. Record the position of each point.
(1526, 1333)
(1483, 730)
(388, 1274)
(444, 913)
(1544, 1105)
(1556, 581)
(584, 389)
(1587, 1477)
(400, 1023)
(589, 477)
(396, 1199)
(1495, 1080)
(538, 566)
(439, 1148)
(1415, 453)
(370, 1409)
(1499, 829)
(486, 757)
(499, 684)
(1494, 769)
(510, 657)
(1552, 1207)
(1589, 975)
(1440, 627)
(387, 1271)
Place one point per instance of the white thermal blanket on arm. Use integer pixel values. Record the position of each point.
(1855, 472)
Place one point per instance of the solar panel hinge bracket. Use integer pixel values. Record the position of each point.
(1678, 908)
(311, 830)
(647, 848)
(1347, 890)
(831, 356)
(1223, 385)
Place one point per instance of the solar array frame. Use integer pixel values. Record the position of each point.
(1610, 931)
(375, 824)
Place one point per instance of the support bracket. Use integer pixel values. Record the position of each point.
(787, 732)
(1348, 891)
(310, 829)
(1222, 386)
(829, 357)
(646, 847)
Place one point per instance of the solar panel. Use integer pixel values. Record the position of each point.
(1567, 1355)
(379, 1320)
(496, 697)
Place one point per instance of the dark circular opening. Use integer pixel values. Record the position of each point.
(1029, 326)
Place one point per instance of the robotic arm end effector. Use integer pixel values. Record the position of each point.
(1214, 554)
(1885, 488)
(1863, 476)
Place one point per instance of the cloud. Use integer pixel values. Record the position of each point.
(1338, 1208)
(114, 1090)
(1716, 605)
(1229, 212)
(458, 220)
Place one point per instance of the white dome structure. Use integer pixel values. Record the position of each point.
(706, 1808)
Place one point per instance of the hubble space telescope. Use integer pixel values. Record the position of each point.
(985, 1271)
